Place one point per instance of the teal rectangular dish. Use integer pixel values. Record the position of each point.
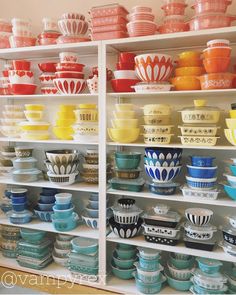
(132, 185)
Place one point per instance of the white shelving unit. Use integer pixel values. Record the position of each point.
(103, 50)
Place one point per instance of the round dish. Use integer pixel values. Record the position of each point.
(198, 216)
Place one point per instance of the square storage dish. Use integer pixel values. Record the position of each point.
(199, 140)
(164, 189)
(26, 175)
(197, 193)
(202, 233)
(207, 245)
(135, 185)
(170, 219)
(162, 240)
(24, 163)
(187, 130)
(161, 231)
(127, 173)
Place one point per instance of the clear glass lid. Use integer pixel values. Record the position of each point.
(215, 277)
(200, 104)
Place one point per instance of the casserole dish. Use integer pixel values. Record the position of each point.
(210, 281)
(162, 240)
(135, 185)
(208, 194)
(26, 175)
(170, 219)
(161, 231)
(199, 232)
(207, 245)
(127, 174)
(198, 140)
(159, 129)
(24, 163)
(189, 130)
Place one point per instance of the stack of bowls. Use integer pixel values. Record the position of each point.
(90, 214)
(179, 271)
(163, 165)
(125, 75)
(124, 124)
(86, 125)
(127, 172)
(201, 174)
(231, 279)
(189, 68)
(12, 115)
(148, 276)
(210, 14)
(84, 257)
(154, 68)
(162, 226)
(22, 33)
(69, 74)
(7, 155)
(230, 133)
(5, 33)
(25, 166)
(65, 119)
(108, 22)
(123, 259)
(62, 166)
(10, 236)
(216, 62)
(50, 32)
(46, 201)
(73, 28)
(34, 128)
(46, 78)
(126, 221)
(64, 217)
(201, 181)
(6, 204)
(34, 250)
(199, 233)
(200, 121)
(90, 170)
(229, 234)
(141, 22)
(157, 126)
(4, 79)
(230, 186)
(207, 279)
(62, 249)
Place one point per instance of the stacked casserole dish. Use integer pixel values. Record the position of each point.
(10, 237)
(229, 236)
(162, 226)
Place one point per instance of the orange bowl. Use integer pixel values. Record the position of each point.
(189, 63)
(212, 52)
(217, 81)
(186, 83)
(216, 64)
(190, 55)
(189, 71)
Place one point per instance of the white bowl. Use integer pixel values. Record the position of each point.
(125, 74)
(198, 216)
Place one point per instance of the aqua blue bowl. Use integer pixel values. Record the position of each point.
(200, 290)
(65, 224)
(147, 288)
(123, 263)
(21, 192)
(207, 265)
(202, 161)
(123, 163)
(149, 264)
(45, 207)
(125, 253)
(181, 264)
(18, 200)
(230, 191)
(32, 235)
(128, 155)
(177, 284)
(63, 206)
(19, 207)
(233, 169)
(124, 274)
(92, 212)
(61, 214)
(122, 246)
(47, 199)
(202, 172)
(161, 163)
(43, 215)
(84, 245)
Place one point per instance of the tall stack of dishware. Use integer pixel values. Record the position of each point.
(90, 167)
(90, 214)
(7, 155)
(10, 236)
(230, 186)
(62, 249)
(229, 236)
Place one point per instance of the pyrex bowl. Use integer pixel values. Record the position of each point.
(179, 285)
(148, 277)
(207, 265)
(124, 135)
(198, 216)
(230, 191)
(66, 224)
(202, 172)
(43, 215)
(18, 200)
(123, 263)
(127, 163)
(161, 163)
(124, 274)
(125, 254)
(230, 134)
(203, 183)
(45, 206)
(24, 163)
(32, 235)
(18, 207)
(46, 199)
(149, 288)
(26, 175)
(60, 214)
(231, 179)
(179, 274)
(202, 161)
(181, 264)
(62, 157)
(85, 246)
(163, 153)
(62, 168)
(162, 174)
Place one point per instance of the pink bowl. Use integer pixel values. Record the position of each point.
(211, 21)
(153, 67)
(174, 8)
(73, 15)
(4, 42)
(173, 28)
(22, 41)
(71, 27)
(141, 28)
(141, 16)
(70, 86)
(140, 8)
(47, 41)
(210, 6)
(49, 90)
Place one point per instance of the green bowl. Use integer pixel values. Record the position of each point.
(125, 254)
(123, 163)
(181, 264)
(177, 284)
(128, 155)
(32, 236)
(123, 263)
(84, 245)
(124, 274)
(122, 246)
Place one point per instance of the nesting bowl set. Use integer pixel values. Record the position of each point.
(90, 167)
(10, 237)
(62, 249)
(230, 133)
(46, 78)
(7, 155)
(90, 214)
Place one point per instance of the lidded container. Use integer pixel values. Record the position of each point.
(213, 281)
(200, 113)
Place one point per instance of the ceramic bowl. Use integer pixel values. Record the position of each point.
(125, 230)
(72, 27)
(124, 274)
(209, 266)
(123, 263)
(180, 274)
(84, 245)
(90, 221)
(198, 216)
(163, 153)
(69, 85)
(32, 235)
(62, 157)
(59, 169)
(149, 264)
(181, 264)
(162, 174)
(202, 172)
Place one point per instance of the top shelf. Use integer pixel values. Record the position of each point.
(34, 52)
(173, 40)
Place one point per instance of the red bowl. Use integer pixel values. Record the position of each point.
(216, 64)
(21, 65)
(49, 35)
(47, 78)
(67, 74)
(22, 89)
(5, 73)
(123, 85)
(49, 67)
(126, 57)
(47, 41)
(125, 66)
(71, 67)
(49, 90)
(69, 86)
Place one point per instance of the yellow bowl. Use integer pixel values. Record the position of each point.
(34, 107)
(190, 55)
(64, 115)
(123, 123)
(123, 135)
(67, 107)
(34, 126)
(231, 123)
(87, 106)
(230, 134)
(232, 114)
(124, 107)
(36, 135)
(124, 114)
(64, 133)
(33, 115)
(65, 123)
(189, 71)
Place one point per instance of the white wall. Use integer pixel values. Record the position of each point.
(37, 9)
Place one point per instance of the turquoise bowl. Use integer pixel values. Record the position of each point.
(233, 169)
(207, 265)
(60, 214)
(181, 264)
(123, 263)
(84, 245)
(124, 163)
(149, 264)
(122, 246)
(124, 274)
(32, 235)
(200, 290)
(128, 155)
(125, 254)
(65, 224)
(147, 288)
(230, 191)
(177, 284)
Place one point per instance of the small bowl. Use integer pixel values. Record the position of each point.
(149, 254)
(60, 214)
(209, 266)
(179, 285)
(181, 264)
(47, 191)
(202, 172)
(125, 254)
(202, 161)
(46, 199)
(92, 212)
(124, 274)
(18, 207)
(198, 216)
(18, 200)
(32, 235)
(45, 206)
(63, 198)
(230, 191)
(123, 263)
(63, 206)
(84, 245)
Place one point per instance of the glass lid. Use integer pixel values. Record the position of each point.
(209, 227)
(25, 160)
(171, 216)
(215, 277)
(200, 104)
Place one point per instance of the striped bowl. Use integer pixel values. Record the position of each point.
(198, 216)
